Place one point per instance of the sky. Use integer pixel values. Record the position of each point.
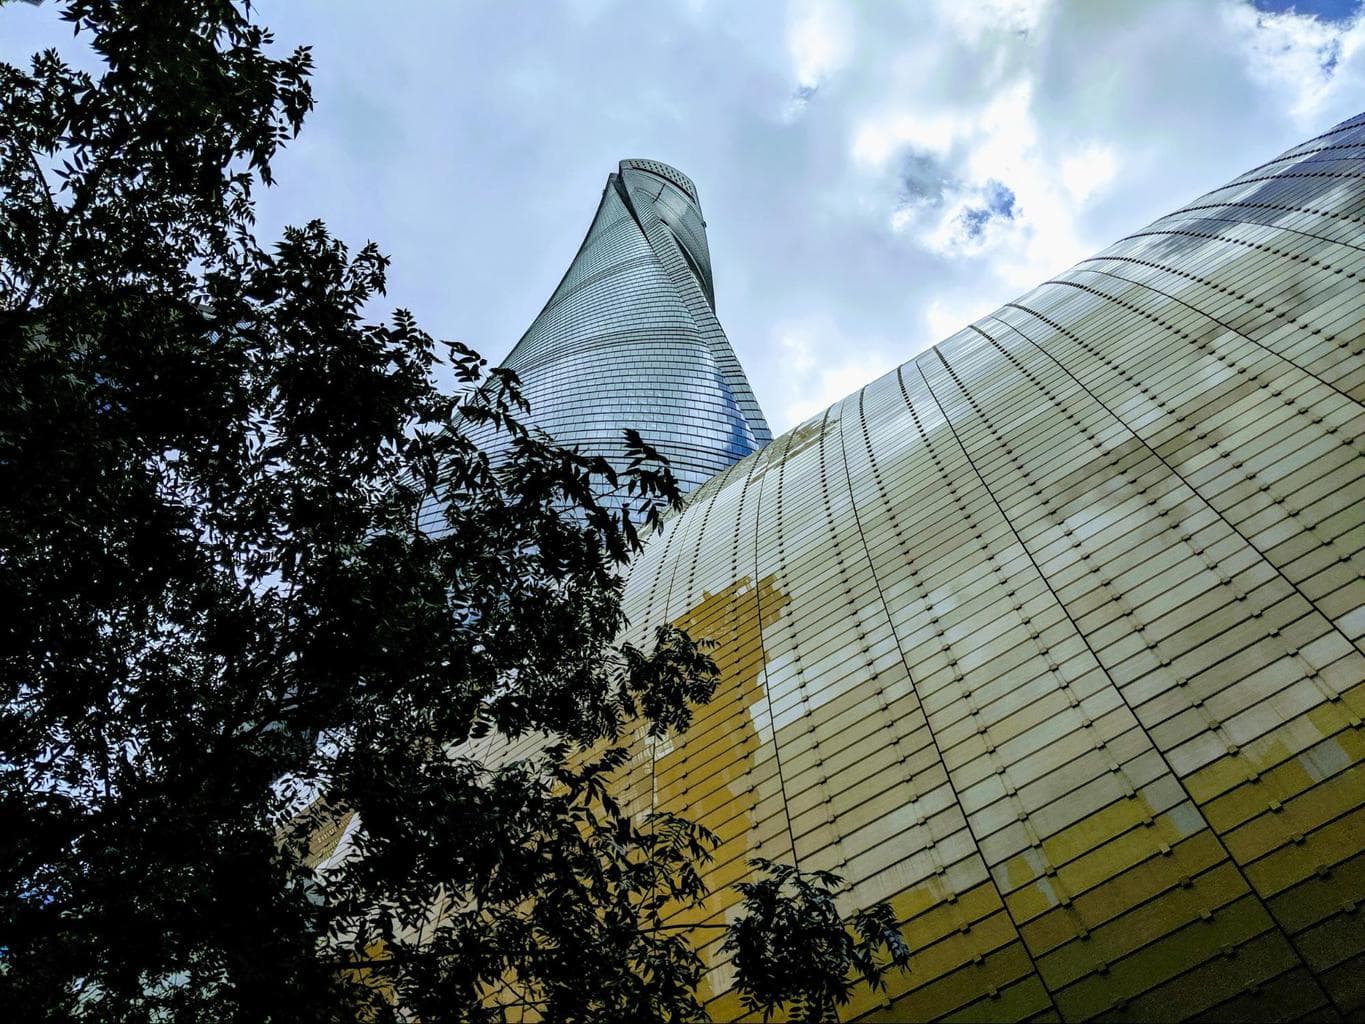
(874, 175)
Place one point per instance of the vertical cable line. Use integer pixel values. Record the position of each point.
(844, 573)
(651, 604)
(668, 615)
(909, 675)
(1086, 640)
(717, 485)
(735, 547)
(674, 530)
(781, 458)
(743, 490)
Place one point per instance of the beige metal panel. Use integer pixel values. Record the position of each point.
(1000, 615)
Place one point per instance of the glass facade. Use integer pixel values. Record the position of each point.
(630, 338)
(1053, 636)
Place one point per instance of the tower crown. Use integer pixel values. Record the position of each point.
(630, 339)
(662, 170)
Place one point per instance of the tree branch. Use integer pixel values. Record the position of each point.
(53, 209)
(86, 196)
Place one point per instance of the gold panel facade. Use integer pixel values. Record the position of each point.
(1053, 636)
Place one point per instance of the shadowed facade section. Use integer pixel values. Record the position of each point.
(1059, 636)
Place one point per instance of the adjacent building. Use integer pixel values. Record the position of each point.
(1054, 636)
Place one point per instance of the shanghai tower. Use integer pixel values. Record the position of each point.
(630, 338)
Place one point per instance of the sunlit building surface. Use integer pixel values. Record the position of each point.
(1053, 636)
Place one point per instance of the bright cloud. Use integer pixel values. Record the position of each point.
(1088, 171)
(876, 139)
(874, 175)
(982, 17)
(821, 365)
(944, 317)
(818, 41)
(1300, 54)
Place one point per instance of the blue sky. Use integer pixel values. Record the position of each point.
(874, 176)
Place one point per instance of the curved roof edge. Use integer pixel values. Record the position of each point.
(663, 170)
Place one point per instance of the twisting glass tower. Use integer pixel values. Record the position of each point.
(630, 337)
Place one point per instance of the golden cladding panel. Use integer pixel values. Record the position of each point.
(1053, 636)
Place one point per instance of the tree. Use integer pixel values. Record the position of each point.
(227, 634)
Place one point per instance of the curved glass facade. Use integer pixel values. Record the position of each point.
(630, 338)
(1053, 636)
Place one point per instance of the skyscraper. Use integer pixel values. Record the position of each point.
(630, 338)
(1055, 635)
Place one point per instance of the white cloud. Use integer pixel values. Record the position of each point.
(796, 344)
(995, 194)
(853, 158)
(965, 221)
(944, 317)
(818, 41)
(977, 18)
(821, 364)
(1088, 171)
(818, 45)
(1299, 54)
(878, 138)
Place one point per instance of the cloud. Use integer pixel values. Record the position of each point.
(957, 219)
(818, 40)
(1088, 170)
(821, 365)
(924, 134)
(944, 316)
(1299, 53)
(1028, 134)
(973, 21)
(874, 176)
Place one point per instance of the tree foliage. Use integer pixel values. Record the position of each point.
(791, 947)
(228, 639)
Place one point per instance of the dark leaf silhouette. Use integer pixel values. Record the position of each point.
(247, 701)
